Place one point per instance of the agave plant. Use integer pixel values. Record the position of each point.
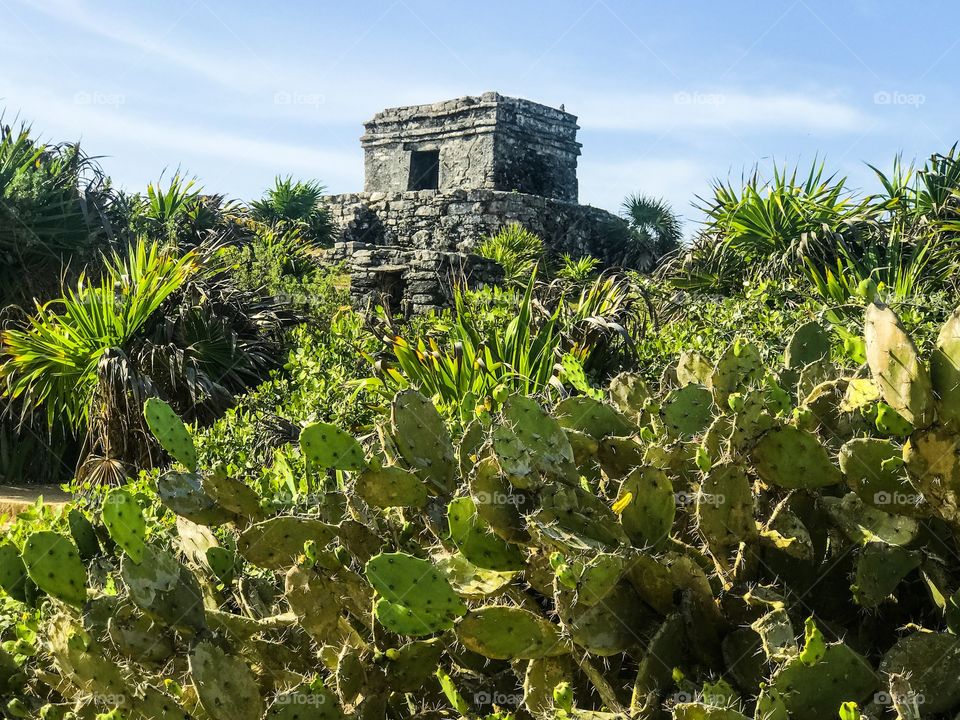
(516, 249)
(157, 323)
(54, 202)
(295, 205)
(177, 211)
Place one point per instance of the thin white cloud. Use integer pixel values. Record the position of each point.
(693, 110)
(239, 71)
(104, 127)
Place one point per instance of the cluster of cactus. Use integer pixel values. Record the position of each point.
(741, 542)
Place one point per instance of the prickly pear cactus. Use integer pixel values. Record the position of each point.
(170, 432)
(13, 573)
(649, 557)
(328, 447)
(945, 371)
(423, 440)
(509, 633)
(391, 486)
(53, 564)
(225, 686)
(647, 506)
(479, 545)
(124, 521)
(414, 597)
(896, 366)
(276, 543)
(792, 458)
(808, 344)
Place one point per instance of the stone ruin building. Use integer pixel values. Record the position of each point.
(440, 178)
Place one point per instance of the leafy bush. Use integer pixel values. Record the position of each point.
(655, 231)
(902, 239)
(156, 323)
(655, 552)
(53, 204)
(516, 249)
(296, 206)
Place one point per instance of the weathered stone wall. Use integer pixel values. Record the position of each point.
(458, 221)
(490, 141)
(410, 281)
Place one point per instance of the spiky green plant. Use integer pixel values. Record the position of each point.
(295, 205)
(517, 249)
(655, 231)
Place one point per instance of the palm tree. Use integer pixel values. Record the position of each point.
(655, 230)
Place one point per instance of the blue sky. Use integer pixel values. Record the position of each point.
(669, 94)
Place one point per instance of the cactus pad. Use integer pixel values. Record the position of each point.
(945, 371)
(509, 633)
(469, 581)
(497, 504)
(328, 447)
(739, 367)
(792, 458)
(276, 543)
(53, 564)
(315, 599)
(13, 573)
(618, 456)
(183, 494)
(880, 568)
(390, 486)
(582, 515)
(724, 507)
(170, 432)
(873, 469)
(415, 599)
(531, 443)
(809, 343)
(815, 683)
(164, 589)
(687, 411)
(932, 459)
(893, 360)
(422, 439)
(473, 538)
(226, 687)
(124, 521)
(647, 506)
(693, 369)
(629, 394)
(933, 662)
(232, 494)
(84, 535)
(591, 416)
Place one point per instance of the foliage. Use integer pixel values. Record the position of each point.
(577, 271)
(290, 205)
(156, 323)
(902, 239)
(499, 342)
(657, 550)
(178, 212)
(53, 203)
(655, 231)
(516, 249)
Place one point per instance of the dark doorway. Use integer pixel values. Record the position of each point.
(424, 170)
(390, 290)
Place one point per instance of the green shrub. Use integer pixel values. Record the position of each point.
(657, 551)
(516, 249)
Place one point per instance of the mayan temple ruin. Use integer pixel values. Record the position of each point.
(440, 178)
